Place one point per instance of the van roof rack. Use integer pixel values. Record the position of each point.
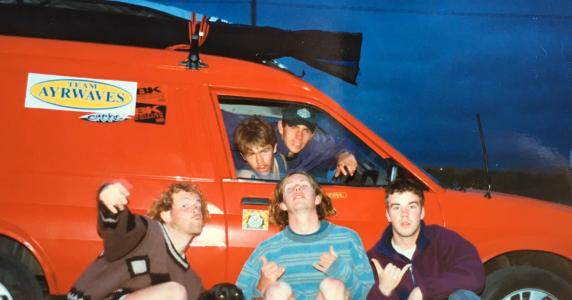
(111, 22)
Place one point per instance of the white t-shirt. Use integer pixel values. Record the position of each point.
(405, 252)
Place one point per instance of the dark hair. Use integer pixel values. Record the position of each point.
(253, 132)
(223, 291)
(165, 200)
(280, 217)
(405, 185)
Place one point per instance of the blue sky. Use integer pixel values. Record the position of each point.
(428, 67)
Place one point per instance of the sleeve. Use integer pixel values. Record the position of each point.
(322, 152)
(356, 272)
(249, 276)
(463, 269)
(121, 232)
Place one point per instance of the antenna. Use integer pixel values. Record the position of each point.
(253, 12)
(485, 157)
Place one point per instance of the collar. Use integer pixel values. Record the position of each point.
(325, 228)
(181, 260)
(384, 245)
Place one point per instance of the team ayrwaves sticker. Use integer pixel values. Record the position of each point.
(81, 94)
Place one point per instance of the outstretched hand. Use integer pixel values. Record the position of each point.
(114, 197)
(269, 273)
(347, 164)
(326, 260)
(389, 277)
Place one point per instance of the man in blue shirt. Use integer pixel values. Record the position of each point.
(310, 258)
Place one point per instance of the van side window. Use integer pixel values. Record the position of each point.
(270, 138)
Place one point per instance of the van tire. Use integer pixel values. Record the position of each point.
(520, 282)
(17, 282)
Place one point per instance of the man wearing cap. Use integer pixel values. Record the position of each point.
(306, 150)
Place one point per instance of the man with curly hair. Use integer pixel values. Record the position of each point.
(144, 257)
(310, 258)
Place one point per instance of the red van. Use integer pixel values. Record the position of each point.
(56, 152)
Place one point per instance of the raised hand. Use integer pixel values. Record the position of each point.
(114, 197)
(326, 260)
(269, 273)
(389, 277)
(347, 164)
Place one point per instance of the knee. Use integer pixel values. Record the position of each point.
(463, 295)
(176, 291)
(279, 290)
(333, 289)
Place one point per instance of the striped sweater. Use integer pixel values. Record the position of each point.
(297, 253)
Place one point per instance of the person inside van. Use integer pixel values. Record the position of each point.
(307, 150)
(304, 147)
(311, 258)
(133, 263)
(417, 261)
(256, 142)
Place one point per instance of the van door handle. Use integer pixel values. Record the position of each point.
(254, 201)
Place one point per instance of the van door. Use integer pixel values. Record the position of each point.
(359, 199)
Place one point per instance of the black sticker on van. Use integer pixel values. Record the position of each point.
(151, 93)
(150, 113)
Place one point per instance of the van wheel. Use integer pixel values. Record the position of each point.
(524, 282)
(16, 282)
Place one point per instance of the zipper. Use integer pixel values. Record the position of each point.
(412, 276)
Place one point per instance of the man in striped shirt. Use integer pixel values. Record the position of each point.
(310, 258)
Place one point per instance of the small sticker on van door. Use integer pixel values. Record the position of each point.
(254, 219)
(70, 93)
(104, 118)
(151, 93)
(150, 113)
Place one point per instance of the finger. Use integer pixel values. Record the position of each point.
(120, 207)
(344, 169)
(270, 268)
(402, 271)
(319, 267)
(377, 266)
(280, 272)
(326, 263)
(122, 189)
(332, 252)
(337, 171)
(353, 169)
(264, 260)
(111, 208)
(327, 258)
